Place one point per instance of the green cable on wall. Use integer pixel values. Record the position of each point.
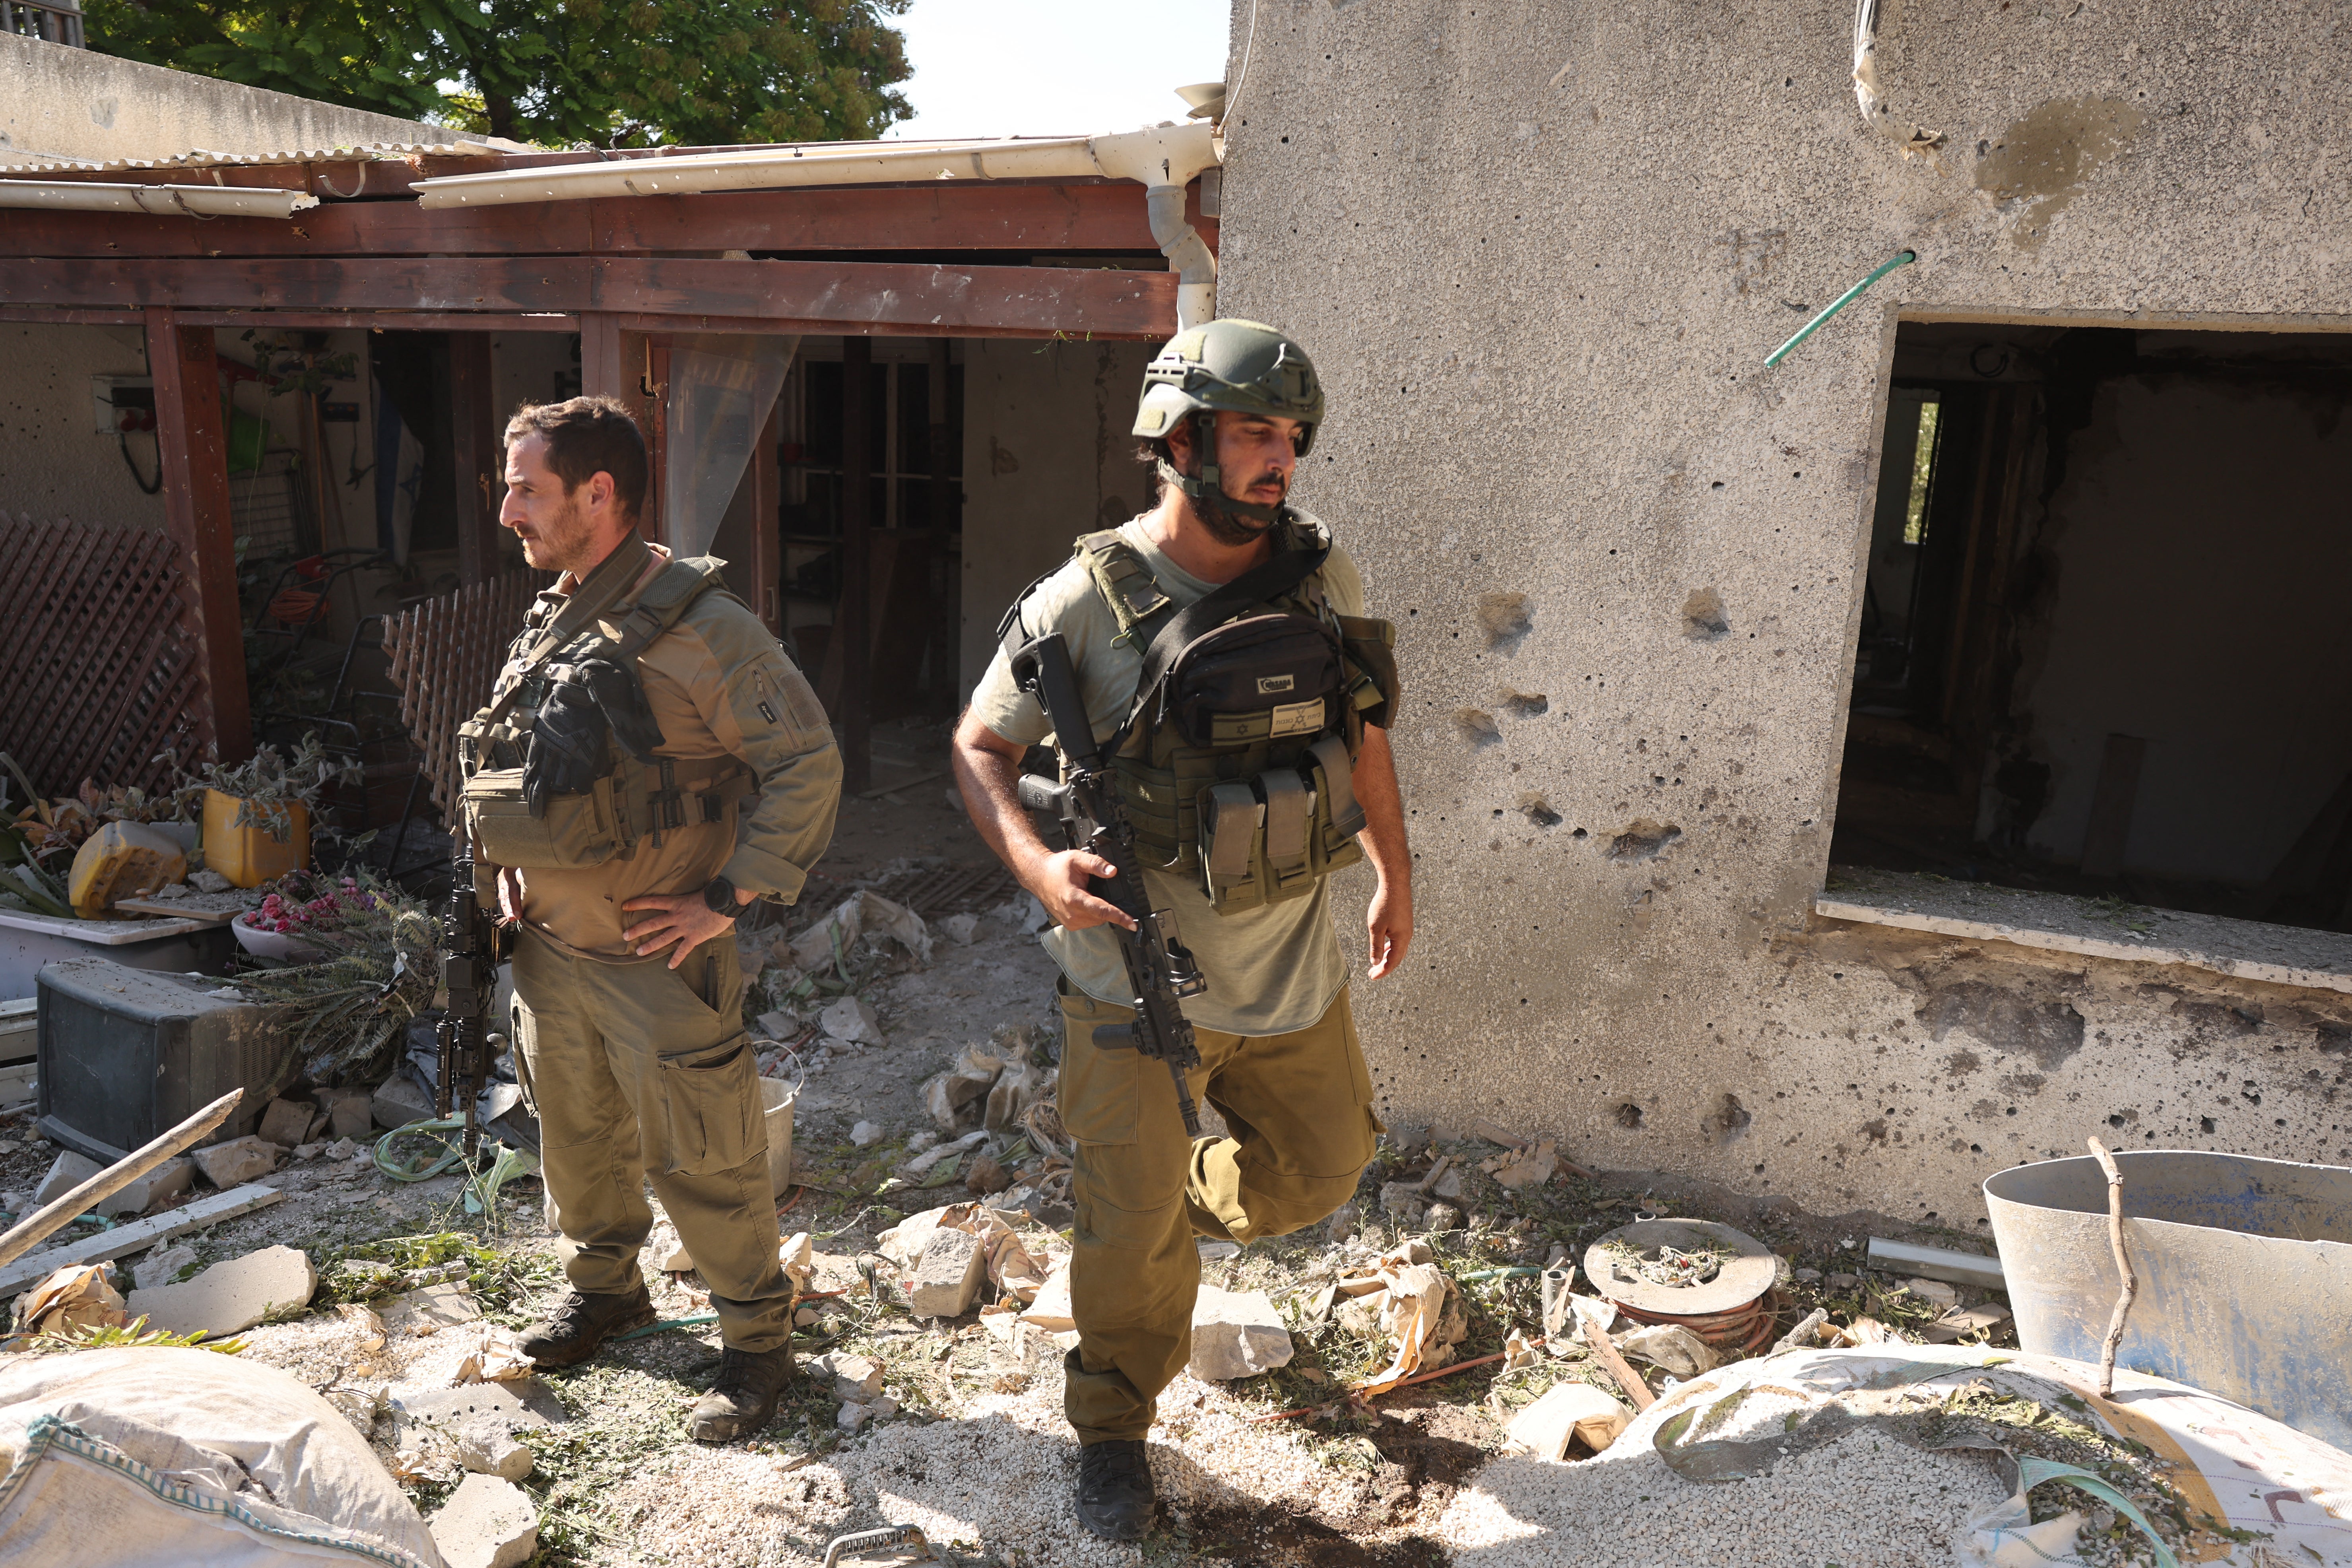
(1840, 303)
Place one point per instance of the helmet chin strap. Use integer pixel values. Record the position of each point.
(1207, 493)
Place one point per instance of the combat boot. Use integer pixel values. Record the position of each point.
(1115, 1495)
(742, 1398)
(581, 1322)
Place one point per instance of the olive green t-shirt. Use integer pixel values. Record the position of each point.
(1270, 970)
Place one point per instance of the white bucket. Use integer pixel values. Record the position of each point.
(779, 1096)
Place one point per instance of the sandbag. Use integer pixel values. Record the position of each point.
(130, 1457)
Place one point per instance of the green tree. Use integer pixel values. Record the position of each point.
(613, 72)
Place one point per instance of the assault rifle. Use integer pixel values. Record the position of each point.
(470, 970)
(1159, 969)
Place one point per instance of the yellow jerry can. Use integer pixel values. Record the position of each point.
(121, 860)
(248, 856)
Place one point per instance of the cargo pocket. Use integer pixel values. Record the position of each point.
(1101, 1090)
(574, 833)
(711, 1099)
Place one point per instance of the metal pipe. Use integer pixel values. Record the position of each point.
(1188, 255)
(161, 201)
(1160, 155)
(1937, 1263)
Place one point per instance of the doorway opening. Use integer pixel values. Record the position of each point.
(2102, 650)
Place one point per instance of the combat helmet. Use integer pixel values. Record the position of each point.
(1246, 367)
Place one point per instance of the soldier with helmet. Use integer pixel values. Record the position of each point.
(1243, 697)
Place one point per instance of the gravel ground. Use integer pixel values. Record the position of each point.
(1865, 1502)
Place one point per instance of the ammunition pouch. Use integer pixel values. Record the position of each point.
(575, 830)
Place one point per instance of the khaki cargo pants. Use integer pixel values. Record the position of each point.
(1301, 1109)
(640, 1070)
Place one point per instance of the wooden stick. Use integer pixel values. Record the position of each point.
(1606, 1349)
(114, 1178)
(2123, 1267)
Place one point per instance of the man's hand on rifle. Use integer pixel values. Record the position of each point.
(1059, 880)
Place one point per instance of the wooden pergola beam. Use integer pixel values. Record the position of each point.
(191, 435)
(864, 296)
(1026, 219)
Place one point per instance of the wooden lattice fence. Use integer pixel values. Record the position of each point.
(103, 678)
(445, 653)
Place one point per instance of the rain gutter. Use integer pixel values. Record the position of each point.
(1164, 159)
(162, 201)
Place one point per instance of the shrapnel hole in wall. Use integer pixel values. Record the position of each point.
(2098, 649)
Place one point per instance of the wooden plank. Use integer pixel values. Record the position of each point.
(136, 1237)
(191, 432)
(600, 356)
(171, 908)
(939, 300)
(385, 320)
(928, 218)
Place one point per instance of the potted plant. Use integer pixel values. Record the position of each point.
(257, 814)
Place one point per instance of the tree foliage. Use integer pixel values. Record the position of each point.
(631, 73)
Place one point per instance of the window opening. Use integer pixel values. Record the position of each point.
(2099, 636)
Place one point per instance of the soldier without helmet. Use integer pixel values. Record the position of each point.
(650, 763)
(1255, 763)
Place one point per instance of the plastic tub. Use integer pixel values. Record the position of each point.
(2245, 1267)
(248, 856)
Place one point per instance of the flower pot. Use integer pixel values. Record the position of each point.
(264, 943)
(248, 856)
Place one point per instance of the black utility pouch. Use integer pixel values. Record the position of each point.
(1259, 679)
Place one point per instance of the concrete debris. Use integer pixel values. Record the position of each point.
(1807, 1275)
(922, 1164)
(664, 1252)
(209, 882)
(162, 1266)
(1444, 1217)
(1400, 1201)
(236, 1162)
(853, 1019)
(168, 1180)
(430, 1309)
(446, 1409)
(957, 1098)
(1673, 1347)
(864, 1135)
(350, 1114)
(1448, 1186)
(1845, 1281)
(399, 1103)
(1567, 1411)
(1935, 1292)
(287, 1122)
(73, 1298)
(852, 1418)
(961, 930)
(777, 1026)
(1050, 1313)
(1345, 1222)
(486, 1523)
(488, 1448)
(948, 1275)
(855, 1378)
(1236, 1334)
(231, 1295)
(309, 1151)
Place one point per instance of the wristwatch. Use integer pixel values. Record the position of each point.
(718, 893)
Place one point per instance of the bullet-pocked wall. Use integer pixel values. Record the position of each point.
(1539, 254)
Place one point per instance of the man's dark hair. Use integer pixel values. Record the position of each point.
(585, 436)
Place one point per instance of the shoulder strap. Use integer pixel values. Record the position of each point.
(666, 600)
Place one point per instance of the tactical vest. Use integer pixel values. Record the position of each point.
(1237, 759)
(558, 769)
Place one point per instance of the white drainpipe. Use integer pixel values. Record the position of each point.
(1164, 159)
(162, 201)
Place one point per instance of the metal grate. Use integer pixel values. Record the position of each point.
(269, 507)
(445, 653)
(103, 678)
(949, 889)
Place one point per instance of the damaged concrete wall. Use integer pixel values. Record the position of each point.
(80, 103)
(54, 462)
(1539, 253)
(1046, 458)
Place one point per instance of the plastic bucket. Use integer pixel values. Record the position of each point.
(779, 1097)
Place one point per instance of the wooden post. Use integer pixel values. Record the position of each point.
(653, 389)
(478, 458)
(947, 616)
(853, 621)
(192, 435)
(601, 374)
(765, 568)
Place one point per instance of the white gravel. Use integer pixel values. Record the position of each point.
(1865, 1502)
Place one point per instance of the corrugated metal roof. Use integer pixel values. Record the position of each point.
(199, 158)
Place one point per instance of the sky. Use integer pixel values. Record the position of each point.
(1056, 68)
